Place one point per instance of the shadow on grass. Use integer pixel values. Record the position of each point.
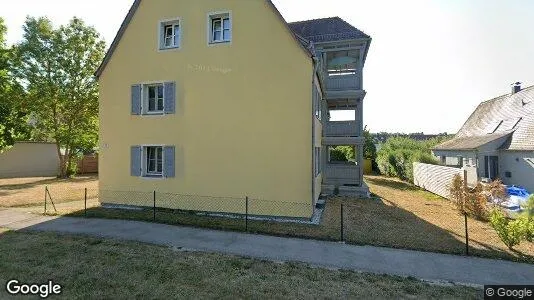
(200, 220)
(366, 222)
(392, 183)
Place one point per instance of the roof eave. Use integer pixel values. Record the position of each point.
(117, 38)
(293, 34)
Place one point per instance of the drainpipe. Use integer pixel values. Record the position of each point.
(315, 68)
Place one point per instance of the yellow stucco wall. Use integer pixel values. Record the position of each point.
(243, 117)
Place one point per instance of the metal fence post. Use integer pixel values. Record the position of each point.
(85, 203)
(466, 235)
(154, 197)
(46, 192)
(341, 221)
(246, 213)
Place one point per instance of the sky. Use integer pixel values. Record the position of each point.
(431, 62)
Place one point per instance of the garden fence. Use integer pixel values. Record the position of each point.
(341, 220)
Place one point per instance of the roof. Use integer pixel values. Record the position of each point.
(302, 42)
(502, 115)
(327, 30)
(470, 142)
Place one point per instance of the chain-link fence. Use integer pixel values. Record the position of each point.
(377, 222)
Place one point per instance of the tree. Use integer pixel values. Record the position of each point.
(13, 117)
(369, 148)
(56, 68)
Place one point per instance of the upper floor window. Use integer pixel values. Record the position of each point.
(170, 34)
(154, 98)
(220, 26)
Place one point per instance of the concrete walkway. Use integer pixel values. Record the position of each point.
(423, 265)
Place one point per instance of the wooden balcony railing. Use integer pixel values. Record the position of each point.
(342, 174)
(342, 82)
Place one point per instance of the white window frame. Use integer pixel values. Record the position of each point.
(145, 99)
(161, 34)
(144, 162)
(210, 30)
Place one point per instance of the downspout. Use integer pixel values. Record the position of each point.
(478, 163)
(315, 68)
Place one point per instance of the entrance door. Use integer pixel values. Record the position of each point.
(491, 167)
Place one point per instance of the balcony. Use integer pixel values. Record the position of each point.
(342, 174)
(336, 83)
(341, 128)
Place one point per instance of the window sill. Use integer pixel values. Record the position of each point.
(169, 48)
(152, 177)
(153, 114)
(219, 42)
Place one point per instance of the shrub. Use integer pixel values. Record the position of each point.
(475, 201)
(529, 217)
(529, 207)
(337, 154)
(510, 232)
(456, 192)
(397, 155)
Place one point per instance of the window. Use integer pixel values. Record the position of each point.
(317, 103)
(317, 161)
(153, 161)
(154, 98)
(220, 28)
(170, 35)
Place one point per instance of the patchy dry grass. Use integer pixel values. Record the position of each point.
(97, 268)
(17, 192)
(404, 217)
(409, 217)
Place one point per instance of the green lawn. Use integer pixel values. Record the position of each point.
(98, 268)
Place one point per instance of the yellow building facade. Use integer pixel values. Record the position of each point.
(212, 99)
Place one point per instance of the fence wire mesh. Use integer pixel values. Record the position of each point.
(434, 225)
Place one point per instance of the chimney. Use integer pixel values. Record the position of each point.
(516, 87)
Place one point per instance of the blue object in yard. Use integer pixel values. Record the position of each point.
(517, 191)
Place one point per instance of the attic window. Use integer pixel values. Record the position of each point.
(220, 28)
(170, 34)
(493, 126)
(517, 123)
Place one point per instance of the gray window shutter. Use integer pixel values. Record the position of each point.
(170, 97)
(168, 158)
(135, 161)
(136, 99)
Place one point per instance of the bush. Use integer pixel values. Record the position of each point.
(475, 201)
(529, 228)
(510, 232)
(529, 217)
(397, 155)
(529, 207)
(337, 154)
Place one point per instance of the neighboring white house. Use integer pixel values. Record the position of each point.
(498, 139)
(29, 159)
